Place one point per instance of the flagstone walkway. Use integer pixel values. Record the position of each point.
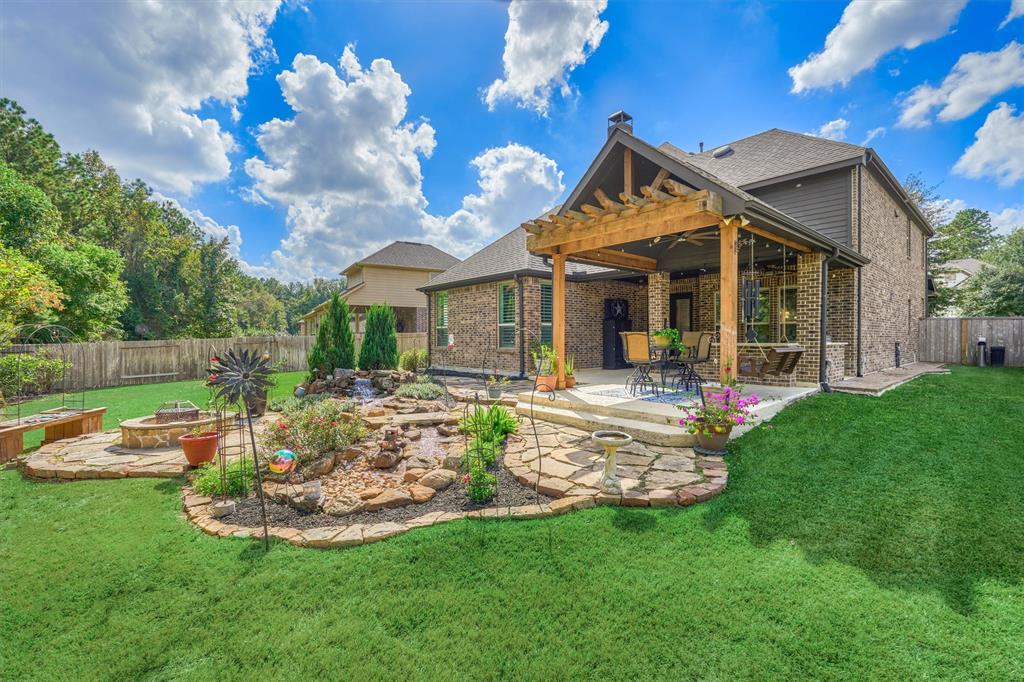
(100, 455)
(651, 475)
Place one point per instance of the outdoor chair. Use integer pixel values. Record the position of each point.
(636, 351)
(698, 349)
(777, 362)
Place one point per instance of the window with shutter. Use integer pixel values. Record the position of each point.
(545, 313)
(441, 318)
(506, 316)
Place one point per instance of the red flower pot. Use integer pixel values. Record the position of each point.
(199, 449)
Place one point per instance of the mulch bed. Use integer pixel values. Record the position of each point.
(511, 493)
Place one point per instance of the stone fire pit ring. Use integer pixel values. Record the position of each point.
(145, 433)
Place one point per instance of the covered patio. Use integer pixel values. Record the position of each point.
(669, 224)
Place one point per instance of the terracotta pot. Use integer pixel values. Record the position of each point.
(570, 381)
(199, 449)
(718, 438)
(546, 383)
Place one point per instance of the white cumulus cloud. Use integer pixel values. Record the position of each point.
(1009, 219)
(128, 79)
(872, 134)
(867, 31)
(976, 78)
(515, 183)
(1016, 10)
(998, 149)
(833, 130)
(347, 167)
(544, 42)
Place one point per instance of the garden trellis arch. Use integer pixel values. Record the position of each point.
(22, 381)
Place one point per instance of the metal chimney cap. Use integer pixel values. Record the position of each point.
(620, 120)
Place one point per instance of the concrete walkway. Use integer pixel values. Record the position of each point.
(877, 383)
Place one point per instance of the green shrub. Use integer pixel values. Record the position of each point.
(503, 422)
(380, 343)
(239, 475)
(335, 344)
(312, 429)
(420, 390)
(413, 360)
(481, 485)
(483, 451)
(33, 374)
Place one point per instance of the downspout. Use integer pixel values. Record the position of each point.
(522, 326)
(823, 322)
(860, 270)
(430, 300)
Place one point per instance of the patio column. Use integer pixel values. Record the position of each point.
(808, 313)
(558, 313)
(728, 291)
(657, 301)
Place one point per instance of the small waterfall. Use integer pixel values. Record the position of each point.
(363, 389)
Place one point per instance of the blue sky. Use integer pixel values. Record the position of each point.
(177, 94)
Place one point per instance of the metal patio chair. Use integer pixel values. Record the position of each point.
(636, 351)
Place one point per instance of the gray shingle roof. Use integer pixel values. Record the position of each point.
(410, 255)
(771, 154)
(504, 258)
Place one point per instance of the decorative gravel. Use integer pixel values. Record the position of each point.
(511, 493)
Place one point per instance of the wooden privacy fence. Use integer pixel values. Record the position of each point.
(120, 363)
(954, 340)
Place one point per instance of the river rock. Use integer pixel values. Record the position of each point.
(340, 505)
(421, 493)
(388, 499)
(438, 479)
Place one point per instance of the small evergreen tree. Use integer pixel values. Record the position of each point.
(335, 345)
(380, 344)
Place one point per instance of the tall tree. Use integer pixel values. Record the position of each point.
(215, 292)
(968, 235)
(998, 289)
(89, 276)
(926, 198)
(380, 342)
(28, 294)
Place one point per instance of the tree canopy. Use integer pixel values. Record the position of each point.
(108, 259)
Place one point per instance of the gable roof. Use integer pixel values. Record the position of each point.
(409, 255)
(971, 266)
(505, 258)
(772, 154)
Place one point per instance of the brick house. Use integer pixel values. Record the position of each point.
(393, 276)
(808, 219)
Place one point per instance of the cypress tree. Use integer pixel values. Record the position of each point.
(335, 345)
(380, 343)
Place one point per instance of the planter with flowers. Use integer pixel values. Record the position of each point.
(495, 384)
(713, 421)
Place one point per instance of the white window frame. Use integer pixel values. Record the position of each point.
(782, 310)
(506, 325)
(440, 340)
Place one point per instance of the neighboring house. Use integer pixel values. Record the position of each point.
(392, 276)
(951, 275)
(648, 225)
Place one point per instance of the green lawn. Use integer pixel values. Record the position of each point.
(126, 402)
(860, 538)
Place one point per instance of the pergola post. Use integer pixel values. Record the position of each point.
(728, 305)
(558, 314)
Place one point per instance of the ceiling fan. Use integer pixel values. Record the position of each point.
(695, 238)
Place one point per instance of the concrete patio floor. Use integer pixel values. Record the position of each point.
(877, 383)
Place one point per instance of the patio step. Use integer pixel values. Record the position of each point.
(644, 431)
(654, 413)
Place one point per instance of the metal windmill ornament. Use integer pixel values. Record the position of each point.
(240, 378)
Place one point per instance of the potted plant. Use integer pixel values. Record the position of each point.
(713, 421)
(495, 384)
(199, 446)
(730, 382)
(666, 338)
(570, 371)
(545, 360)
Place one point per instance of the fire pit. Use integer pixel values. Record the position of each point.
(147, 433)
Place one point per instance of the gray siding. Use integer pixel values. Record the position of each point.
(820, 202)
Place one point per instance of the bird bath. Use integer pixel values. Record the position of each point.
(611, 441)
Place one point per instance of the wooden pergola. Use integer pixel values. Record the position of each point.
(664, 207)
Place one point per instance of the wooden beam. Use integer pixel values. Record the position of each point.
(661, 177)
(617, 259)
(606, 203)
(796, 246)
(727, 306)
(633, 200)
(627, 171)
(678, 189)
(592, 210)
(558, 315)
(654, 194)
(655, 219)
(532, 228)
(641, 232)
(577, 216)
